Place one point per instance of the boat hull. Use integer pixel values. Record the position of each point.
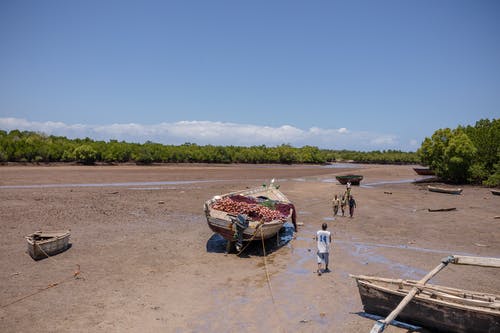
(495, 192)
(223, 222)
(432, 314)
(41, 245)
(227, 231)
(424, 171)
(455, 191)
(354, 179)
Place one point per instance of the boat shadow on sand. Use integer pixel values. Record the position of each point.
(217, 244)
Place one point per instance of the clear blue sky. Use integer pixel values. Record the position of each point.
(335, 74)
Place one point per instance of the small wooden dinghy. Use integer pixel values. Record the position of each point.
(495, 192)
(444, 189)
(438, 308)
(43, 244)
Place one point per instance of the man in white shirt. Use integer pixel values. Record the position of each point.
(324, 239)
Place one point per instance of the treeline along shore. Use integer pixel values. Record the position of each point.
(466, 154)
(33, 147)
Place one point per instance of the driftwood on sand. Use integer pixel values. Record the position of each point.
(442, 209)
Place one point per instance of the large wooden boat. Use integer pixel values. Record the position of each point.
(437, 308)
(251, 214)
(354, 179)
(43, 244)
(446, 190)
(424, 171)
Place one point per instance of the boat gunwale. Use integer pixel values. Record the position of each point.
(64, 234)
(364, 280)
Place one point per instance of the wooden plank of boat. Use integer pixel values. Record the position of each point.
(444, 190)
(42, 244)
(476, 261)
(434, 307)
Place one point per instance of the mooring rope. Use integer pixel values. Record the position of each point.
(265, 266)
(75, 275)
(268, 278)
(252, 238)
(45, 253)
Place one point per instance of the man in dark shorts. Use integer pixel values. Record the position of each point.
(324, 239)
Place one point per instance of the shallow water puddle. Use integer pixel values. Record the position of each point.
(176, 182)
(366, 253)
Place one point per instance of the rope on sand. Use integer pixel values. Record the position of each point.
(265, 265)
(252, 238)
(75, 275)
(269, 280)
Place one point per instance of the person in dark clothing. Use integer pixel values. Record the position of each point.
(352, 205)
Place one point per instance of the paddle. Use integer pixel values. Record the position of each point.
(381, 324)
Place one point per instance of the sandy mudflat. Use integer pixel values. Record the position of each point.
(149, 262)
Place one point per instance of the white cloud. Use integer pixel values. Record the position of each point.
(414, 143)
(210, 132)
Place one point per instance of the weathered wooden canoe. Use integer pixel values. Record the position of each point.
(354, 179)
(264, 208)
(42, 244)
(495, 192)
(444, 189)
(424, 171)
(440, 309)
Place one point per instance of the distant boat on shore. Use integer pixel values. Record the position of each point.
(444, 190)
(495, 191)
(424, 171)
(354, 179)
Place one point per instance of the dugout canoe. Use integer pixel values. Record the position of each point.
(258, 212)
(444, 190)
(495, 192)
(438, 308)
(354, 179)
(43, 244)
(424, 171)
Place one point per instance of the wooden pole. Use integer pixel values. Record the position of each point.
(381, 324)
(476, 261)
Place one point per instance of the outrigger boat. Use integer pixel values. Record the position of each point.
(440, 309)
(251, 214)
(43, 244)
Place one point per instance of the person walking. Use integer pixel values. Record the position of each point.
(348, 190)
(324, 239)
(343, 203)
(352, 205)
(336, 205)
